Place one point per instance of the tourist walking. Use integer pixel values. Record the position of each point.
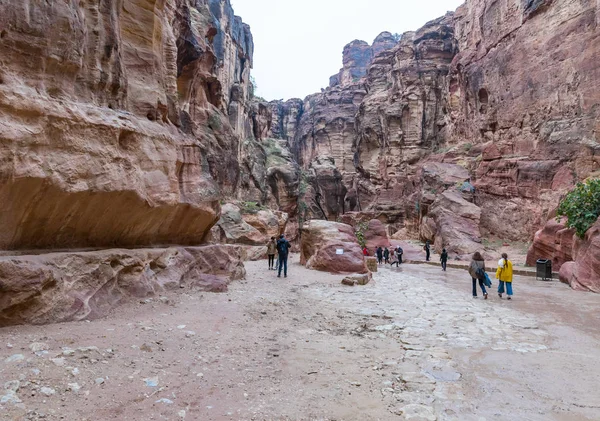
(365, 251)
(444, 259)
(399, 253)
(271, 250)
(394, 258)
(504, 274)
(477, 272)
(283, 248)
(379, 253)
(427, 249)
(386, 255)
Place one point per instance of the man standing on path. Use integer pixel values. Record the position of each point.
(399, 252)
(283, 247)
(427, 249)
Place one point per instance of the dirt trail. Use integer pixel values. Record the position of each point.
(411, 345)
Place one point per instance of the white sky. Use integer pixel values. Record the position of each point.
(298, 44)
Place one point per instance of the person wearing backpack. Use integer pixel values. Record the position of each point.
(477, 272)
(504, 274)
(444, 259)
(283, 248)
(386, 256)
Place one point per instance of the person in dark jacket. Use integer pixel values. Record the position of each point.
(283, 248)
(379, 253)
(399, 253)
(444, 259)
(477, 272)
(427, 249)
(386, 255)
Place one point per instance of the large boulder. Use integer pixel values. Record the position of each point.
(60, 287)
(584, 272)
(456, 224)
(233, 229)
(553, 242)
(320, 242)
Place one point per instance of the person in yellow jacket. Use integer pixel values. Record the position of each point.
(504, 274)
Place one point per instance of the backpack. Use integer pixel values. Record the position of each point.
(282, 246)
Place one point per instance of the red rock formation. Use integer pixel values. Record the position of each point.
(86, 285)
(553, 242)
(584, 272)
(114, 127)
(319, 243)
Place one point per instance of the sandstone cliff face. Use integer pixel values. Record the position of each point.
(468, 91)
(113, 120)
(525, 83)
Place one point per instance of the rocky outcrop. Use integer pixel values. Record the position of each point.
(584, 272)
(113, 116)
(455, 223)
(320, 241)
(70, 286)
(357, 58)
(553, 242)
(246, 223)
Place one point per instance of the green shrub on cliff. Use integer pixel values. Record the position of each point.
(360, 230)
(581, 206)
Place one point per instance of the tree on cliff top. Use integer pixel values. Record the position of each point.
(581, 206)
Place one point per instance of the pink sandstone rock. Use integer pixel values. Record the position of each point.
(320, 242)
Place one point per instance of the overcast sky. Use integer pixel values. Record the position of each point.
(298, 44)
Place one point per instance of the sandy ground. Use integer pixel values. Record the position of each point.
(411, 345)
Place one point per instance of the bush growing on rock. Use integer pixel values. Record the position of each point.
(581, 206)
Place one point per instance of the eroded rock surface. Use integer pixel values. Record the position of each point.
(114, 121)
(55, 287)
(319, 244)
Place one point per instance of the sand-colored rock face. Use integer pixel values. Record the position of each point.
(112, 125)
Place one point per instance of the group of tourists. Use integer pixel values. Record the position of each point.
(281, 247)
(386, 256)
(504, 275)
(393, 256)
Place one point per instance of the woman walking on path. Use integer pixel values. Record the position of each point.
(477, 272)
(271, 250)
(504, 274)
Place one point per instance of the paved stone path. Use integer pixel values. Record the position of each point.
(412, 345)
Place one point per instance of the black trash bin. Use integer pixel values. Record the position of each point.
(544, 269)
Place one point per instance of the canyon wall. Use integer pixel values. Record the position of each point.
(495, 104)
(120, 126)
(114, 120)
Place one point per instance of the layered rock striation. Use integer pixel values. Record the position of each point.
(114, 120)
